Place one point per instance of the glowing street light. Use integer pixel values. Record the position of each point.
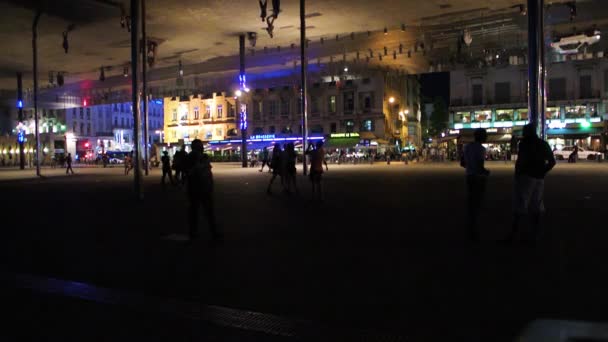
(238, 93)
(391, 99)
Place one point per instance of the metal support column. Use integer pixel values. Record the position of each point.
(242, 120)
(135, 98)
(35, 53)
(20, 118)
(303, 91)
(144, 87)
(536, 66)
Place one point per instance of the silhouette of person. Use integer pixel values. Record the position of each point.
(179, 162)
(473, 161)
(534, 160)
(166, 165)
(275, 164)
(200, 189)
(290, 168)
(68, 161)
(317, 158)
(265, 159)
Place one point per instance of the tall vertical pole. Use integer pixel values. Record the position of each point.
(242, 107)
(144, 87)
(536, 66)
(303, 91)
(20, 118)
(135, 97)
(35, 53)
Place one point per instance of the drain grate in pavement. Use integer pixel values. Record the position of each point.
(220, 316)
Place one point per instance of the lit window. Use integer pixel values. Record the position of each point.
(367, 125)
(196, 113)
(208, 135)
(332, 104)
(220, 111)
(207, 112)
(174, 116)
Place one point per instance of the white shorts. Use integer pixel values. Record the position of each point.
(528, 195)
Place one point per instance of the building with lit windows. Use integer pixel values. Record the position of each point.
(495, 98)
(85, 131)
(377, 110)
(198, 117)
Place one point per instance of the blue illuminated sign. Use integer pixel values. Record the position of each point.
(19, 104)
(158, 102)
(243, 116)
(263, 136)
(21, 136)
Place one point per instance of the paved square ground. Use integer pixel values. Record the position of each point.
(385, 252)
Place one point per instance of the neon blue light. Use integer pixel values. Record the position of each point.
(20, 104)
(264, 140)
(21, 136)
(158, 102)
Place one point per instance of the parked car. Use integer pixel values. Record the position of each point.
(565, 152)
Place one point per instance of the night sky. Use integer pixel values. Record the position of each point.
(433, 85)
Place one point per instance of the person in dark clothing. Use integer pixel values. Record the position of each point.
(199, 184)
(68, 161)
(276, 165)
(265, 160)
(289, 171)
(534, 160)
(166, 161)
(473, 159)
(179, 164)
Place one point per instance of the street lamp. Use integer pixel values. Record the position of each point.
(391, 99)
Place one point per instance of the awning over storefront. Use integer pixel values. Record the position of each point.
(367, 135)
(342, 142)
(574, 133)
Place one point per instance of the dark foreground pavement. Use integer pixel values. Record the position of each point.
(385, 253)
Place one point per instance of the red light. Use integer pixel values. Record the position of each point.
(84, 102)
(86, 144)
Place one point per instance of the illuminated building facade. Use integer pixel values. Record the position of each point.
(495, 98)
(382, 107)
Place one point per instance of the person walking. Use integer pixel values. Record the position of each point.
(275, 164)
(265, 159)
(166, 164)
(534, 160)
(199, 185)
(127, 163)
(179, 163)
(317, 158)
(68, 161)
(473, 161)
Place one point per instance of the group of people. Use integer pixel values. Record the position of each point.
(534, 160)
(282, 164)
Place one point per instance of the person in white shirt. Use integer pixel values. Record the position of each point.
(473, 160)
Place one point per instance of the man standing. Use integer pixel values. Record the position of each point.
(534, 160)
(68, 161)
(473, 161)
(166, 161)
(200, 189)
